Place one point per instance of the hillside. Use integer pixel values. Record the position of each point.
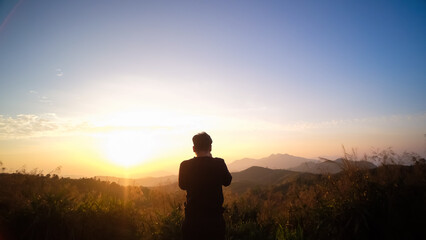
(241, 181)
(331, 167)
(146, 182)
(259, 176)
(386, 202)
(274, 161)
(255, 175)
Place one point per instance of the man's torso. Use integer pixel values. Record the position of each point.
(202, 178)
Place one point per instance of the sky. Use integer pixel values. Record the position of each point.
(120, 87)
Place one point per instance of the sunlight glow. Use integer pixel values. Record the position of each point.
(126, 148)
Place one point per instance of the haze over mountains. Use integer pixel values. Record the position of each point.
(247, 172)
(274, 161)
(298, 164)
(146, 181)
(331, 167)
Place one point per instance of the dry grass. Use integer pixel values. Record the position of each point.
(383, 203)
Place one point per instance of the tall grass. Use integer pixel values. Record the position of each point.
(383, 203)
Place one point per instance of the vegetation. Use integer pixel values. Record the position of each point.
(387, 202)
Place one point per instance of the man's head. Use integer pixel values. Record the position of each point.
(202, 143)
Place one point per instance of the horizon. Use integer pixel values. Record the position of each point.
(167, 173)
(113, 88)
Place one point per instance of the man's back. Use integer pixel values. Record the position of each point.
(202, 178)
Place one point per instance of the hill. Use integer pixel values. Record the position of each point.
(332, 167)
(146, 182)
(259, 176)
(274, 161)
(255, 176)
(241, 181)
(386, 202)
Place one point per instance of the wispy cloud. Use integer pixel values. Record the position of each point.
(50, 125)
(59, 72)
(41, 98)
(338, 123)
(44, 99)
(25, 125)
(30, 125)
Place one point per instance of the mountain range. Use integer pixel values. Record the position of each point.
(146, 181)
(331, 167)
(274, 161)
(247, 172)
(260, 176)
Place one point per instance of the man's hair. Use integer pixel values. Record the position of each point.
(202, 142)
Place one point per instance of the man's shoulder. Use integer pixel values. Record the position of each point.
(219, 159)
(192, 160)
(187, 161)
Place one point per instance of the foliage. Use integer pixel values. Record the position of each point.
(382, 203)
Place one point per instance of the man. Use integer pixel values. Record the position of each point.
(202, 177)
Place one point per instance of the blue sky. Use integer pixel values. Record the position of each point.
(276, 63)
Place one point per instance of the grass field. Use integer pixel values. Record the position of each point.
(387, 202)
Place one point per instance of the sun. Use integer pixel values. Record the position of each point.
(126, 148)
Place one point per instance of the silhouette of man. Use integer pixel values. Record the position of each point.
(202, 177)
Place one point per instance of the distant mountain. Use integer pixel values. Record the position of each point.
(259, 176)
(332, 167)
(146, 182)
(262, 176)
(160, 173)
(253, 176)
(274, 161)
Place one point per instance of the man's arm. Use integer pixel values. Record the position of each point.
(227, 175)
(183, 184)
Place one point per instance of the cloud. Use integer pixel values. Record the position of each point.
(42, 99)
(30, 125)
(50, 125)
(59, 72)
(372, 121)
(25, 125)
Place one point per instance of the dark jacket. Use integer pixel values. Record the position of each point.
(202, 178)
